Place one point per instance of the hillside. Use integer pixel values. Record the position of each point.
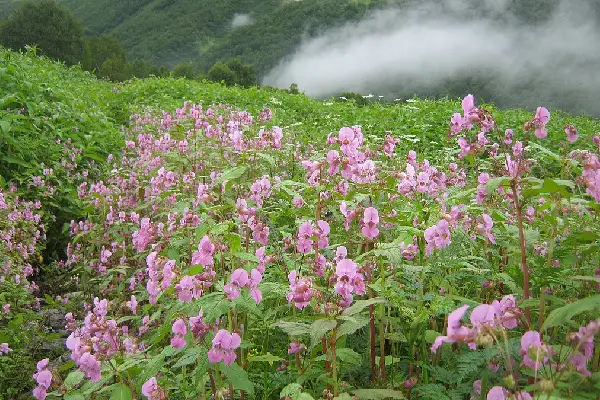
(167, 32)
(172, 239)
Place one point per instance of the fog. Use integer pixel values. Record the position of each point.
(241, 20)
(407, 51)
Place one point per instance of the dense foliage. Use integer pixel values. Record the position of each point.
(51, 28)
(290, 248)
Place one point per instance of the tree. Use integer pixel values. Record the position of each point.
(50, 27)
(116, 69)
(245, 75)
(220, 72)
(184, 70)
(233, 72)
(99, 49)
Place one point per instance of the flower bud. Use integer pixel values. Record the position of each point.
(509, 382)
(547, 386)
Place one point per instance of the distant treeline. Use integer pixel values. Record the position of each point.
(55, 32)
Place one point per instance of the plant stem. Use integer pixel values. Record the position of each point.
(522, 244)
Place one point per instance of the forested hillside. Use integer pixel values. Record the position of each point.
(167, 32)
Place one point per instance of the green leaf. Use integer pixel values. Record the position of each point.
(319, 328)
(74, 396)
(231, 174)
(4, 126)
(360, 305)
(190, 356)
(268, 158)
(74, 378)
(121, 392)
(270, 358)
(238, 378)
(586, 278)
(350, 326)
(15, 160)
(348, 356)
(493, 184)
(564, 314)
(377, 394)
(293, 328)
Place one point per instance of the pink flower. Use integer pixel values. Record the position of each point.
(253, 282)
(321, 232)
(369, 223)
(151, 390)
(90, 366)
(457, 333)
(4, 349)
(534, 353)
(349, 281)
(542, 116)
(305, 242)
(297, 201)
(179, 329)
(223, 346)
(571, 132)
(497, 393)
(300, 290)
(238, 280)
(437, 236)
(204, 255)
(296, 347)
(198, 326)
(132, 304)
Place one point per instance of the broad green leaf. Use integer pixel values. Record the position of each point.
(350, 326)
(319, 328)
(231, 174)
(586, 278)
(190, 356)
(238, 377)
(493, 183)
(348, 356)
(74, 378)
(270, 358)
(121, 392)
(564, 314)
(293, 328)
(360, 305)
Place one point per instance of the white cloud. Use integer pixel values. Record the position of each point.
(429, 44)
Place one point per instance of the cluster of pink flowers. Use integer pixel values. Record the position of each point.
(309, 236)
(204, 255)
(239, 279)
(43, 379)
(437, 236)
(21, 238)
(99, 338)
(260, 189)
(179, 330)
(503, 313)
(300, 290)
(348, 281)
(223, 347)
(369, 223)
(161, 273)
(152, 391)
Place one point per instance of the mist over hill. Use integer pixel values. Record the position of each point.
(511, 52)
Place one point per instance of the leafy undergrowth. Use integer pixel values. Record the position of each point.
(255, 244)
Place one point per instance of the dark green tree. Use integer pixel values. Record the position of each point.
(220, 72)
(116, 69)
(184, 70)
(99, 49)
(244, 73)
(50, 27)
